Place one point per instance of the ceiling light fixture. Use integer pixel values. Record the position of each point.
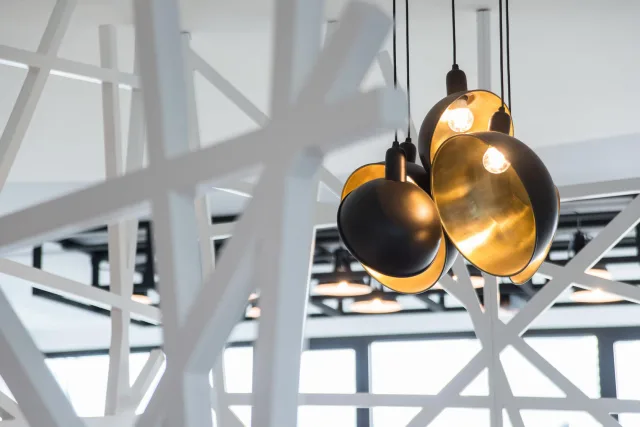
(596, 295)
(341, 283)
(253, 312)
(461, 111)
(378, 302)
(492, 190)
(495, 200)
(394, 211)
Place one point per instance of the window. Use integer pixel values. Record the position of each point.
(321, 371)
(421, 367)
(627, 354)
(426, 366)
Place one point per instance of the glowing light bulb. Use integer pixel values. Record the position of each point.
(494, 161)
(343, 285)
(459, 116)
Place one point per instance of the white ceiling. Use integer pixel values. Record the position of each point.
(574, 66)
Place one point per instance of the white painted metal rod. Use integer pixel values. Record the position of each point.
(21, 58)
(51, 282)
(145, 379)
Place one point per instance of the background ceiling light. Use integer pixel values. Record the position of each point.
(342, 289)
(141, 298)
(253, 312)
(594, 296)
(498, 222)
(446, 254)
(391, 225)
(376, 303)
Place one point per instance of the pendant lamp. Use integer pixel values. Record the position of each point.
(496, 199)
(378, 302)
(419, 279)
(341, 282)
(390, 225)
(461, 111)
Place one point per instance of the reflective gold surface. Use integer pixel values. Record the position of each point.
(488, 217)
(408, 285)
(435, 127)
(526, 274)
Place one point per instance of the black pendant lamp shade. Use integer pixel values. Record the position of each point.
(389, 224)
(456, 108)
(496, 200)
(446, 251)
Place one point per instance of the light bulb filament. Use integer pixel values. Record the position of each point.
(459, 116)
(494, 161)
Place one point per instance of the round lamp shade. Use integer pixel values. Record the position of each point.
(496, 200)
(390, 226)
(446, 252)
(478, 106)
(529, 271)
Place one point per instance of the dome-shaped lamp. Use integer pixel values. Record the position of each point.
(446, 252)
(496, 200)
(526, 274)
(342, 282)
(389, 224)
(378, 302)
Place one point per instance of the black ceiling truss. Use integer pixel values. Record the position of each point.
(94, 243)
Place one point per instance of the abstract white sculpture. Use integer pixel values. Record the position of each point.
(316, 107)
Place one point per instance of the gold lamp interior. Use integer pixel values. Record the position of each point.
(407, 285)
(488, 217)
(482, 104)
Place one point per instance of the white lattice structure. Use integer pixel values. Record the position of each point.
(316, 107)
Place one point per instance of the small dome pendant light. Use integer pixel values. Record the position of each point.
(417, 175)
(389, 224)
(461, 111)
(342, 282)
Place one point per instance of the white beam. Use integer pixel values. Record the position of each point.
(120, 282)
(283, 270)
(9, 409)
(23, 369)
(145, 379)
(25, 105)
(162, 72)
(66, 287)
(483, 23)
(20, 58)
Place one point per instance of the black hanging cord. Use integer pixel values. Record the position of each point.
(395, 62)
(508, 56)
(501, 54)
(453, 26)
(406, 3)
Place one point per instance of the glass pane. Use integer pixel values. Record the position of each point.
(574, 357)
(558, 418)
(627, 354)
(407, 367)
(238, 369)
(327, 371)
